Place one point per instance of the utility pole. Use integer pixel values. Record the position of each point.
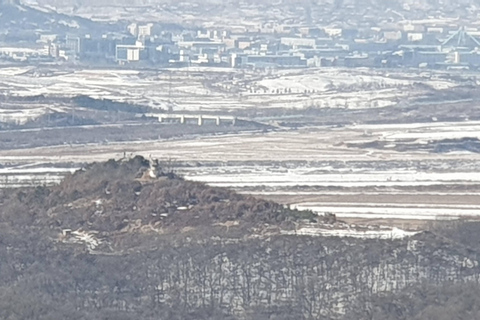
(73, 114)
(170, 86)
(170, 103)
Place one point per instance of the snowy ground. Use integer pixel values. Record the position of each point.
(352, 232)
(226, 90)
(27, 176)
(357, 171)
(316, 168)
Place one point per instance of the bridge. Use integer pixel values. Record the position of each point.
(194, 119)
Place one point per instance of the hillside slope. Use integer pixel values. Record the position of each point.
(117, 197)
(16, 18)
(128, 239)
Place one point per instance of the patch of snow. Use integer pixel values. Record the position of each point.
(88, 238)
(393, 233)
(392, 212)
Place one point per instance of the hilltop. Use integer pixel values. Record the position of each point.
(120, 196)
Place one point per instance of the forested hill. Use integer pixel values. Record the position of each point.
(129, 239)
(114, 196)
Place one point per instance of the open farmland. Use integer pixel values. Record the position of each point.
(217, 90)
(365, 145)
(368, 172)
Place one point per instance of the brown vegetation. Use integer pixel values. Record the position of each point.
(110, 196)
(130, 240)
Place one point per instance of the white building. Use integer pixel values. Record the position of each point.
(145, 30)
(133, 29)
(298, 42)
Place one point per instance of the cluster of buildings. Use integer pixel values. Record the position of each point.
(427, 44)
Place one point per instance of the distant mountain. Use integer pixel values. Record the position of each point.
(16, 17)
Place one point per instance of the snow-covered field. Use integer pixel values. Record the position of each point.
(25, 176)
(315, 168)
(224, 90)
(12, 113)
(343, 191)
(372, 233)
(354, 171)
(393, 211)
(366, 179)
